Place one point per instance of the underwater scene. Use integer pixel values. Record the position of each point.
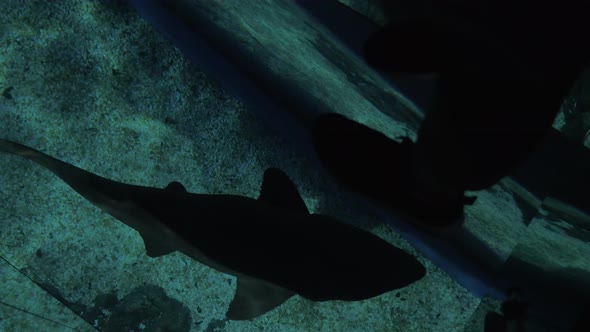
(294, 165)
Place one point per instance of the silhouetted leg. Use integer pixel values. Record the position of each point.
(414, 50)
(368, 162)
(500, 86)
(492, 107)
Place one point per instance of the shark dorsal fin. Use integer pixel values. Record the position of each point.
(278, 190)
(255, 297)
(176, 187)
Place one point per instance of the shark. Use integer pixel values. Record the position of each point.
(273, 245)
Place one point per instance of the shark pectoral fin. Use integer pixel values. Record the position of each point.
(154, 246)
(155, 236)
(278, 190)
(255, 297)
(176, 187)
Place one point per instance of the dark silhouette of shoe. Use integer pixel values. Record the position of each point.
(368, 162)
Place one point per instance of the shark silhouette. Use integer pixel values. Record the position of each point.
(272, 245)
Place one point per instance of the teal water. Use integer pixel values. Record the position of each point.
(95, 85)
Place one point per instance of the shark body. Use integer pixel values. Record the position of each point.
(272, 244)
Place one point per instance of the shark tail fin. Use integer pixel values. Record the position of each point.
(37, 156)
(278, 190)
(15, 148)
(83, 182)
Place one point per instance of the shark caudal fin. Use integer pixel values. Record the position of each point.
(25, 152)
(278, 190)
(77, 178)
(12, 147)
